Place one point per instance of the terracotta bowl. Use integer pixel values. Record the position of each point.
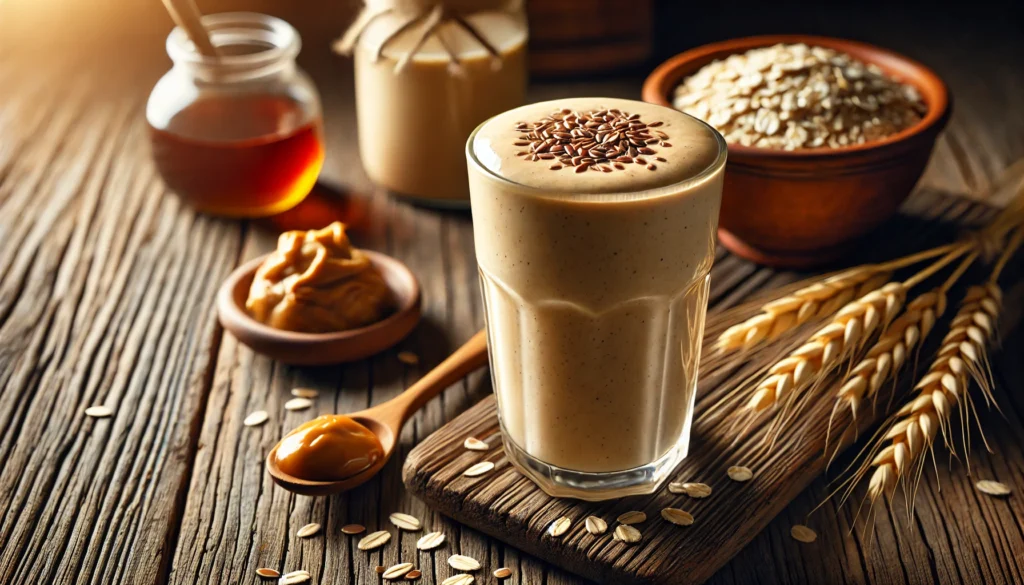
(805, 207)
(314, 349)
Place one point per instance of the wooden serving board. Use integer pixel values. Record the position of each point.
(508, 506)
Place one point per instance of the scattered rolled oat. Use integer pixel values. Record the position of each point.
(694, 490)
(406, 522)
(305, 393)
(298, 404)
(633, 517)
(351, 529)
(266, 573)
(460, 579)
(627, 534)
(992, 488)
(677, 516)
(308, 530)
(430, 541)
(294, 577)
(474, 444)
(503, 573)
(99, 411)
(795, 96)
(463, 563)
(374, 540)
(559, 526)
(413, 575)
(803, 533)
(740, 473)
(397, 571)
(256, 418)
(479, 469)
(408, 358)
(595, 525)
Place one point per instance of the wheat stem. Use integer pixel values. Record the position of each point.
(963, 355)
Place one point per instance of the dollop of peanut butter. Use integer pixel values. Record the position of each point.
(331, 447)
(316, 282)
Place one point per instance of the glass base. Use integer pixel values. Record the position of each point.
(595, 487)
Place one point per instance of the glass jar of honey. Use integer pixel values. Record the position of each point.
(427, 72)
(239, 134)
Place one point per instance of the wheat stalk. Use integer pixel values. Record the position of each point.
(820, 299)
(846, 333)
(815, 301)
(890, 352)
(964, 353)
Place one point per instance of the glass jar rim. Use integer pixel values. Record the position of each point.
(280, 39)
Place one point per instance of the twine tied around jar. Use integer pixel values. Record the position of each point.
(433, 14)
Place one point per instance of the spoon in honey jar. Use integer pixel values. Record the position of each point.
(336, 452)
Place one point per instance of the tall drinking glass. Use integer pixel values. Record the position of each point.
(594, 223)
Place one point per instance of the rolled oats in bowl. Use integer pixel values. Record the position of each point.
(795, 96)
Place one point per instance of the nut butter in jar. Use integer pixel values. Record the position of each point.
(426, 74)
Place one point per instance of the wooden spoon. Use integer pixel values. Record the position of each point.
(386, 420)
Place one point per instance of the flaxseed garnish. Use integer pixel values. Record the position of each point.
(463, 563)
(677, 516)
(474, 444)
(256, 418)
(460, 579)
(479, 469)
(294, 577)
(265, 573)
(803, 534)
(503, 573)
(595, 525)
(430, 541)
(351, 529)
(992, 488)
(379, 569)
(406, 522)
(739, 473)
(559, 527)
(408, 358)
(590, 140)
(374, 540)
(633, 517)
(308, 530)
(626, 533)
(305, 393)
(692, 489)
(413, 575)
(397, 571)
(99, 411)
(298, 404)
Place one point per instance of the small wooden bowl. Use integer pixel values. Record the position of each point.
(804, 207)
(315, 349)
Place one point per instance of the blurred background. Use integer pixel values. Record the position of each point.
(586, 46)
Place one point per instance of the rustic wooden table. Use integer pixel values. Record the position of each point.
(107, 295)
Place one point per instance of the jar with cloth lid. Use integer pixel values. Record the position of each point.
(426, 74)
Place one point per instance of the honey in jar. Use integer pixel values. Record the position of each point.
(239, 135)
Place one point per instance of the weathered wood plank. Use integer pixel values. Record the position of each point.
(104, 300)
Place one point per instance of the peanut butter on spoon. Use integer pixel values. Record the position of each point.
(328, 448)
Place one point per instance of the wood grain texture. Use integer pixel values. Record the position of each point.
(106, 296)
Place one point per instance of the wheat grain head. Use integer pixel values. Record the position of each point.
(963, 356)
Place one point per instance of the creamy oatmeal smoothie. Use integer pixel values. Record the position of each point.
(594, 222)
